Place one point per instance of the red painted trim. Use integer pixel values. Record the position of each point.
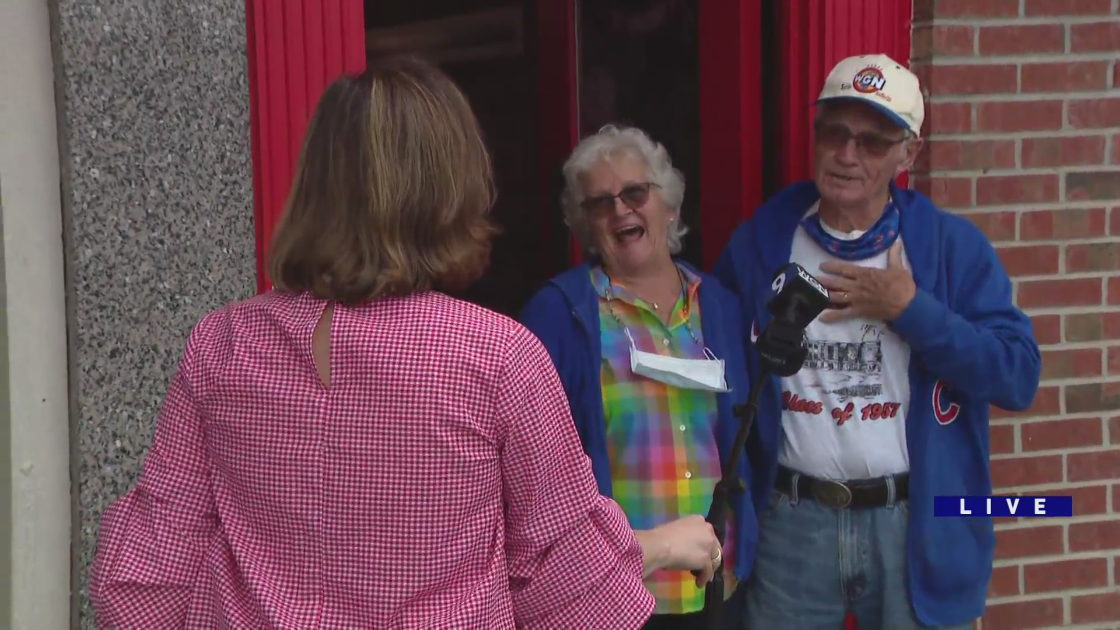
(559, 94)
(295, 48)
(730, 119)
(813, 36)
(255, 139)
(332, 35)
(353, 35)
(276, 111)
(314, 28)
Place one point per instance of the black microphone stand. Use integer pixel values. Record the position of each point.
(781, 351)
(730, 483)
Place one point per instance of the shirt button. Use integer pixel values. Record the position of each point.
(682, 427)
(687, 474)
(665, 341)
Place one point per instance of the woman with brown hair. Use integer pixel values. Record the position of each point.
(356, 449)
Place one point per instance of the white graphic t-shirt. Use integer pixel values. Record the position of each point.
(844, 412)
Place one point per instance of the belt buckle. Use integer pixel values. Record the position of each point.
(832, 493)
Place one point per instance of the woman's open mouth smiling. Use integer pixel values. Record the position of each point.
(629, 234)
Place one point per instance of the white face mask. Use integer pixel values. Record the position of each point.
(702, 374)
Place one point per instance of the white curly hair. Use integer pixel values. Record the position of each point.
(613, 141)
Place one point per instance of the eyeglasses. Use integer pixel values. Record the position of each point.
(870, 144)
(634, 196)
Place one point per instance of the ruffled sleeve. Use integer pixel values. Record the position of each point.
(153, 540)
(573, 559)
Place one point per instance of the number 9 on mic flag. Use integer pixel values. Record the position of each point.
(1028, 507)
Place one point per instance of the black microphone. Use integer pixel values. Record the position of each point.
(797, 299)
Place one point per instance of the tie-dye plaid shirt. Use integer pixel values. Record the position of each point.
(661, 439)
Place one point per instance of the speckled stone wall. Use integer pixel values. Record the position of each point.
(154, 115)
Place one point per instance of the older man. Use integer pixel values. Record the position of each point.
(891, 407)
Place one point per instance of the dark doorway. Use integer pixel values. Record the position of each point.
(489, 48)
(639, 65)
(540, 74)
(770, 61)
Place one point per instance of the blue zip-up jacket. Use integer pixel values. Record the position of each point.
(564, 315)
(970, 346)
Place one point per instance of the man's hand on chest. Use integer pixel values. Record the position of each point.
(880, 294)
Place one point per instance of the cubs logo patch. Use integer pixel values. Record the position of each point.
(869, 80)
(945, 413)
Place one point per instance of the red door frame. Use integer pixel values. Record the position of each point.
(558, 85)
(730, 184)
(730, 119)
(295, 48)
(813, 36)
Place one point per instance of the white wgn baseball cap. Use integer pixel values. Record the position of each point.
(882, 83)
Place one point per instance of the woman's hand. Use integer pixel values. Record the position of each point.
(686, 544)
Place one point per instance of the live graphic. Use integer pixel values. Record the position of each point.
(869, 412)
(1052, 506)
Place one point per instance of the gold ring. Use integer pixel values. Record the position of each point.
(719, 555)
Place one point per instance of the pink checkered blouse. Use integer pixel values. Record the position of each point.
(438, 482)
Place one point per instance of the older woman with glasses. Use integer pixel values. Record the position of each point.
(650, 353)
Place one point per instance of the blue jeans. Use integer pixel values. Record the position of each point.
(816, 563)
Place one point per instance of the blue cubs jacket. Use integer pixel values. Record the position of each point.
(970, 347)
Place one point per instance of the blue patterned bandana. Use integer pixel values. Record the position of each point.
(875, 241)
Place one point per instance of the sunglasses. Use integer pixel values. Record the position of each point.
(834, 136)
(633, 195)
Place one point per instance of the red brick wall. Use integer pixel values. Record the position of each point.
(1024, 129)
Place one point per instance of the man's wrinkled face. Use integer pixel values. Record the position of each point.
(858, 151)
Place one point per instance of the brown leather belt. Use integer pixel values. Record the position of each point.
(855, 495)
